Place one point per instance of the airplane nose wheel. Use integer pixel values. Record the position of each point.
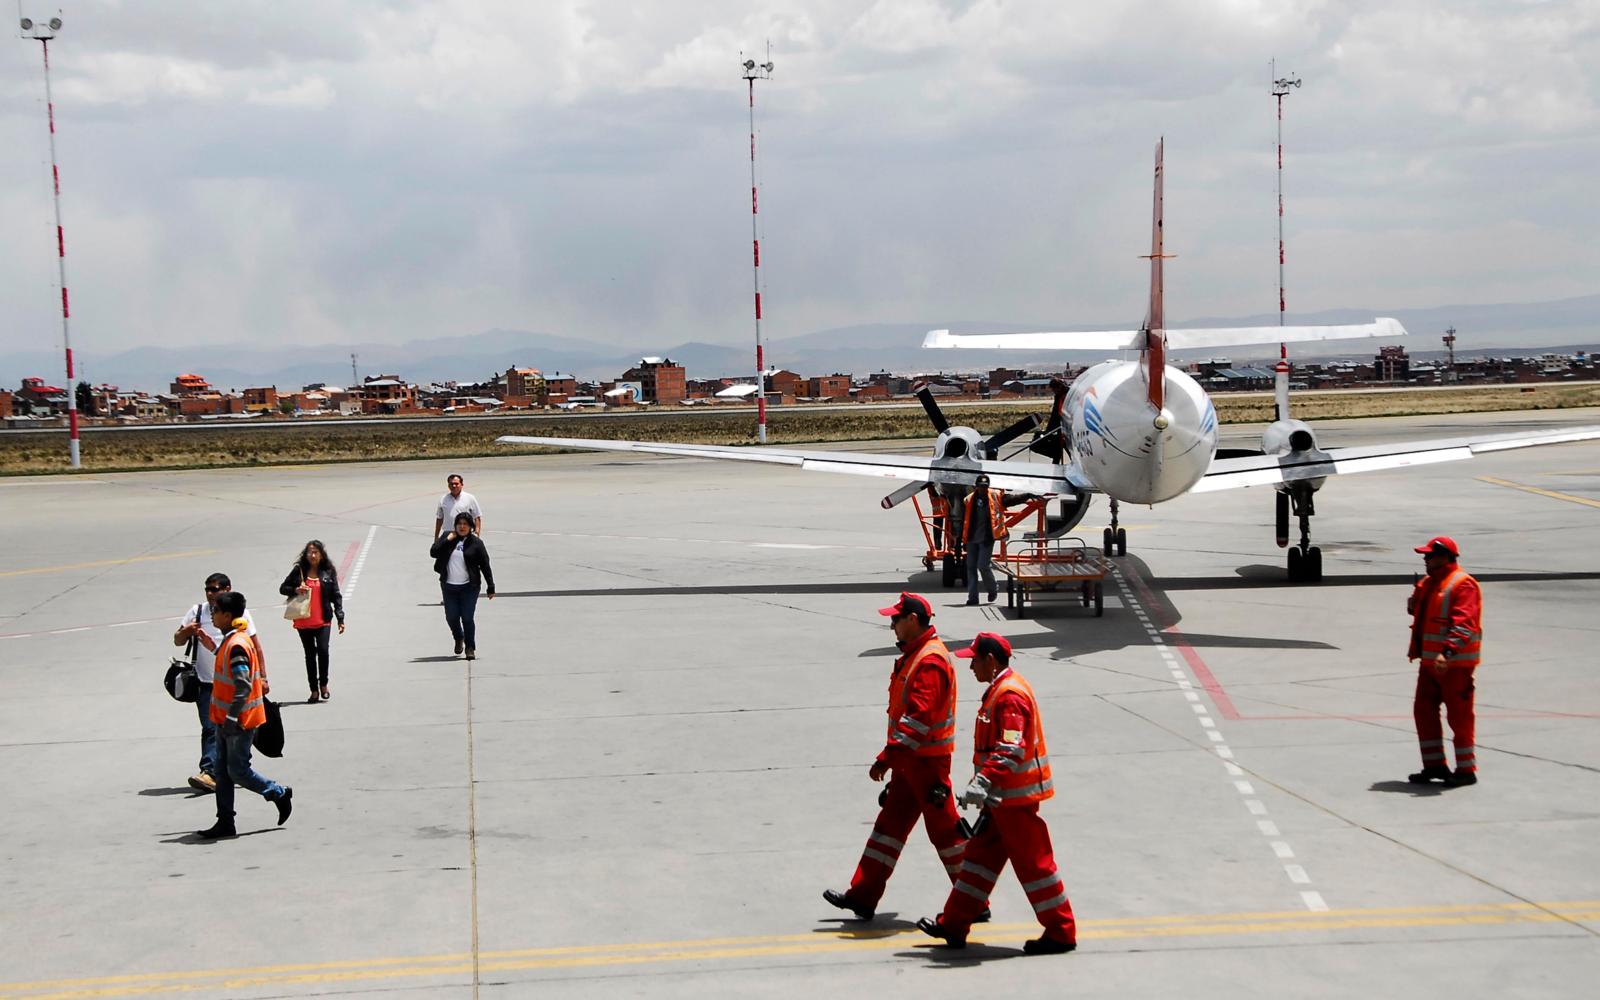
(1114, 540)
(1305, 559)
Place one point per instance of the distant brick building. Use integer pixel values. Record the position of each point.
(526, 384)
(784, 382)
(261, 398)
(189, 384)
(828, 386)
(37, 397)
(1392, 364)
(5, 405)
(660, 380)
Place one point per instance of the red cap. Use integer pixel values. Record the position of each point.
(1443, 544)
(909, 603)
(986, 642)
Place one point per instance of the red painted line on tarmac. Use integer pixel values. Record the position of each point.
(1224, 704)
(1174, 634)
(349, 560)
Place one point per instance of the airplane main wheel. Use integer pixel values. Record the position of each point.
(1108, 541)
(1313, 564)
(1296, 565)
(1122, 541)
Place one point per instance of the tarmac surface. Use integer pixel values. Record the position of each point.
(658, 761)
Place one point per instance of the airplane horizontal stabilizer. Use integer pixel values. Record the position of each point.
(1133, 340)
(1383, 326)
(1084, 340)
(1272, 470)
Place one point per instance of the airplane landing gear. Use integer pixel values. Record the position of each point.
(1115, 539)
(1305, 559)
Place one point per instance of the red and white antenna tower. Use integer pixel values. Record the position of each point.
(1280, 90)
(42, 33)
(754, 71)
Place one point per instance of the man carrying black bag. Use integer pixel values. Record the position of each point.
(201, 638)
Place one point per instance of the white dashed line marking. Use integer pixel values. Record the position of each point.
(361, 562)
(1280, 848)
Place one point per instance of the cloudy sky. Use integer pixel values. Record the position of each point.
(295, 172)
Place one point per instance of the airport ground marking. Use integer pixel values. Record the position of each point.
(353, 576)
(1552, 494)
(1280, 847)
(106, 562)
(866, 939)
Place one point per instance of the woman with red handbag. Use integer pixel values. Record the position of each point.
(315, 580)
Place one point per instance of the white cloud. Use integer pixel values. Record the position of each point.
(313, 93)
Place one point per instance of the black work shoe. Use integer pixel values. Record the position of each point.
(1460, 778)
(972, 602)
(459, 647)
(218, 830)
(285, 804)
(1432, 772)
(844, 902)
(1046, 945)
(472, 654)
(931, 927)
(982, 917)
(992, 595)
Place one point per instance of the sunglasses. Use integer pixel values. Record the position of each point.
(213, 590)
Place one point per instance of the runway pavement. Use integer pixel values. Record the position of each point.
(659, 760)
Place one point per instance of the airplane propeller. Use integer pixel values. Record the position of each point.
(991, 445)
(1052, 441)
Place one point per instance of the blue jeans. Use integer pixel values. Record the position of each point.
(208, 730)
(233, 768)
(980, 559)
(460, 603)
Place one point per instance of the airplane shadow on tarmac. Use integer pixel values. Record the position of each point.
(1071, 629)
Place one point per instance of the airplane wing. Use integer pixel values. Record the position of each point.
(1012, 476)
(1133, 340)
(1270, 470)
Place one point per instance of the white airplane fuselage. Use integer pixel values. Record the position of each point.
(1126, 447)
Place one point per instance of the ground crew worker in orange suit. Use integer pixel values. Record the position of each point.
(1013, 777)
(922, 736)
(1446, 609)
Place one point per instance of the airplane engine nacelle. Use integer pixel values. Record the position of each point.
(1291, 437)
(1284, 436)
(959, 443)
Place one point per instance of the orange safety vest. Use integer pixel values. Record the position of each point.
(1029, 780)
(255, 713)
(931, 741)
(1436, 629)
(997, 516)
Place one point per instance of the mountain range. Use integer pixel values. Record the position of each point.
(1481, 329)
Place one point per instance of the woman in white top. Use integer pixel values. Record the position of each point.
(462, 562)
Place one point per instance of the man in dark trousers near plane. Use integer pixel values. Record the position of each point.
(1446, 609)
(984, 524)
(922, 730)
(1013, 777)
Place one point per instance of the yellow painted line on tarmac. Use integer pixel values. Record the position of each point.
(108, 562)
(1552, 494)
(815, 943)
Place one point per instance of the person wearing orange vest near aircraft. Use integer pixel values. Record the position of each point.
(1012, 777)
(1446, 609)
(983, 524)
(238, 709)
(922, 736)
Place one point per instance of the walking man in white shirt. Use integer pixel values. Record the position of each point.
(202, 637)
(457, 501)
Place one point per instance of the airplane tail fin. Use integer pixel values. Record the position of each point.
(1154, 355)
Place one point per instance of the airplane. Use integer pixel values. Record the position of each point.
(1138, 431)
